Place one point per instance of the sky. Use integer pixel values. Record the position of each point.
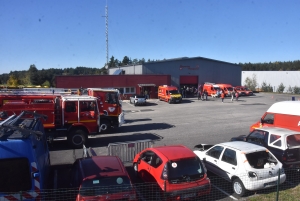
(71, 33)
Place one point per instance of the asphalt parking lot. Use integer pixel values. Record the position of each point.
(189, 123)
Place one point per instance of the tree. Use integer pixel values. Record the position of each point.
(125, 61)
(290, 89)
(280, 88)
(33, 75)
(112, 62)
(13, 81)
(46, 84)
(251, 83)
(296, 90)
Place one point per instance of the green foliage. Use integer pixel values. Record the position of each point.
(46, 84)
(251, 83)
(296, 90)
(280, 88)
(271, 66)
(266, 88)
(290, 89)
(13, 81)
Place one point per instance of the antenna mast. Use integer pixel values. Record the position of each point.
(106, 32)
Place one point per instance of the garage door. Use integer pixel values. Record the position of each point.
(189, 79)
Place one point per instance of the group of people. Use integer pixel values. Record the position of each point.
(187, 91)
(232, 93)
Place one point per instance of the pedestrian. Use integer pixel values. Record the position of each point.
(222, 95)
(236, 96)
(205, 94)
(146, 93)
(199, 95)
(232, 95)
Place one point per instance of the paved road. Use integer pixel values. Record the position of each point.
(189, 123)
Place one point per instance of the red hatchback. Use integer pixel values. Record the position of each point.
(101, 178)
(177, 171)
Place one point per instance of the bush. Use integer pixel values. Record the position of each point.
(280, 88)
(266, 88)
(296, 90)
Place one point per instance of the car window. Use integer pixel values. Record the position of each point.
(215, 152)
(105, 185)
(185, 169)
(293, 140)
(269, 119)
(258, 137)
(275, 140)
(140, 96)
(147, 156)
(229, 156)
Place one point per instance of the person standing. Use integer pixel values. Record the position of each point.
(222, 95)
(146, 94)
(236, 96)
(232, 95)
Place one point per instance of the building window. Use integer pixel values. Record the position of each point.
(127, 90)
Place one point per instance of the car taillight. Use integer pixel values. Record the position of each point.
(164, 174)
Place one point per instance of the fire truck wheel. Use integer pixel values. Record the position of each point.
(105, 126)
(77, 138)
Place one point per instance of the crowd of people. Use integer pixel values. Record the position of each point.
(203, 94)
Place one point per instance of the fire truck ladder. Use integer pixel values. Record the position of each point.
(8, 126)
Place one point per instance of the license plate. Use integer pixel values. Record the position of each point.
(189, 195)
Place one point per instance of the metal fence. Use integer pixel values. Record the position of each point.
(126, 151)
(220, 189)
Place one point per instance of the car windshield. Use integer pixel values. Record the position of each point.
(174, 92)
(259, 159)
(105, 185)
(185, 169)
(293, 140)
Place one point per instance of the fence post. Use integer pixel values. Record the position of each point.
(278, 183)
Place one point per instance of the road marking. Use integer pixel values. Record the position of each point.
(224, 192)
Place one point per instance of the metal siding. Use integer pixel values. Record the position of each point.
(129, 70)
(108, 81)
(189, 79)
(274, 78)
(206, 70)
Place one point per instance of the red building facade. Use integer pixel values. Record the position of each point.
(127, 84)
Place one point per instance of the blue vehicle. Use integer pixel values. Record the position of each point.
(24, 158)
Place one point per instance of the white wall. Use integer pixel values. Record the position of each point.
(274, 78)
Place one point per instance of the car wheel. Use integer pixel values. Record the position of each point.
(238, 187)
(77, 138)
(135, 168)
(105, 126)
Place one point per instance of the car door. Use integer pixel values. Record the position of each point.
(144, 166)
(228, 163)
(212, 157)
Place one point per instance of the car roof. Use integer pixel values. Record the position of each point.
(279, 131)
(174, 152)
(243, 146)
(102, 166)
(285, 107)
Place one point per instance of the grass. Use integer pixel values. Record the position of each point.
(287, 194)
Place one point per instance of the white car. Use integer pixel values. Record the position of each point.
(247, 166)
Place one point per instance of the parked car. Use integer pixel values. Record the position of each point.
(282, 142)
(247, 166)
(138, 99)
(240, 90)
(177, 172)
(101, 178)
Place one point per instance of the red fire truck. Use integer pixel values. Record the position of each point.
(69, 115)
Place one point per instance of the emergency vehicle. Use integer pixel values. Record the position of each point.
(169, 94)
(284, 114)
(227, 88)
(69, 115)
(211, 88)
(24, 158)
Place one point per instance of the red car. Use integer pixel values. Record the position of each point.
(177, 171)
(101, 178)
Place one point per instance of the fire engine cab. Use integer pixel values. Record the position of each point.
(71, 116)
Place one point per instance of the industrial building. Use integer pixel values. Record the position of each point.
(179, 72)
